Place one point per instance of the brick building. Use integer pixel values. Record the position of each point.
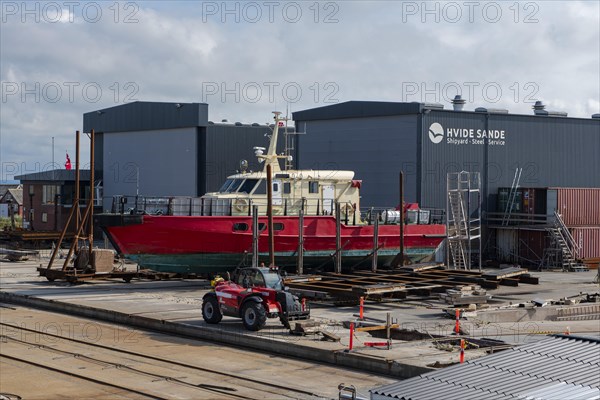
(48, 198)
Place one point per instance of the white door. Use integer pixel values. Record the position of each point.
(277, 190)
(328, 198)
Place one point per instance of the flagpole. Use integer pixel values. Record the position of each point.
(52, 157)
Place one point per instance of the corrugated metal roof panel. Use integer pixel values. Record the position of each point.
(538, 365)
(563, 391)
(435, 390)
(558, 367)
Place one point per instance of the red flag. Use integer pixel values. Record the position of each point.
(68, 163)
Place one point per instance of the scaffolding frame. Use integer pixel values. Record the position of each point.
(463, 221)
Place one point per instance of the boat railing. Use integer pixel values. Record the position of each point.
(230, 206)
(239, 206)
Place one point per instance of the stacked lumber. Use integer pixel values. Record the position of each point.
(462, 295)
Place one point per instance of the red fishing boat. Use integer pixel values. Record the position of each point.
(216, 232)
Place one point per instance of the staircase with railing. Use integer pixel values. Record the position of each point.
(564, 250)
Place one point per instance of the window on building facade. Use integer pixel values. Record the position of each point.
(49, 193)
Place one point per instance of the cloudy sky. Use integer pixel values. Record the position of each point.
(59, 60)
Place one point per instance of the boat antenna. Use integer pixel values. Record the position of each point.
(289, 141)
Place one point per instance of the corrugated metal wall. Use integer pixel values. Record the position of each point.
(588, 239)
(375, 148)
(438, 159)
(507, 242)
(578, 206)
(226, 145)
(561, 152)
(166, 160)
(551, 151)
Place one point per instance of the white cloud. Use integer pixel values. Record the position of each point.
(374, 51)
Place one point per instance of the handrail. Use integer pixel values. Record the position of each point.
(241, 205)
(566, 235)
(517, 218)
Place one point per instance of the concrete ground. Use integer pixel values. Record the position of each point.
(116, 345)
(175, 305)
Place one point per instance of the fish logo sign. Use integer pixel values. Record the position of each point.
(436, 133)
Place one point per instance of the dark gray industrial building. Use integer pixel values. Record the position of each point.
(168, 149)
(426, 141)
(172, 149)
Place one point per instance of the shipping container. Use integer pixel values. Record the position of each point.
(521, 246)
(588, 239)
(527, 200)
(504, 197)
(577, 206)
(531, 246)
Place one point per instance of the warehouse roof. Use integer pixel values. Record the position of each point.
(55, 175)
(363, 109)
(146, 115)
(558, 367)
(356, 109)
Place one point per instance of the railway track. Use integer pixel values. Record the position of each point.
(144, 375)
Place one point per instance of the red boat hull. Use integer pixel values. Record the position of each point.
(213, 243)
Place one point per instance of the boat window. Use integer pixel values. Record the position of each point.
(240, 226)
(226, 185)
(234, 185)
(261, 226)
(248, 185)
(275, 187)
(287, 187)
(313, 187)
(277, 226)
(261, 188)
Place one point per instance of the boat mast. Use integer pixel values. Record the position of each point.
(271, 158)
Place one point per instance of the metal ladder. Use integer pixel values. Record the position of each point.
(512, 196)
(457, 236)
(457, 250)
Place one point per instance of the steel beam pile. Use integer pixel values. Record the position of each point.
(417, 280)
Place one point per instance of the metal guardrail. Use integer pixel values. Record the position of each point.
(199, 206)
(497, 218)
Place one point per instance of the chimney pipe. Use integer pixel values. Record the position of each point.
(458, 103)
(538, 108)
